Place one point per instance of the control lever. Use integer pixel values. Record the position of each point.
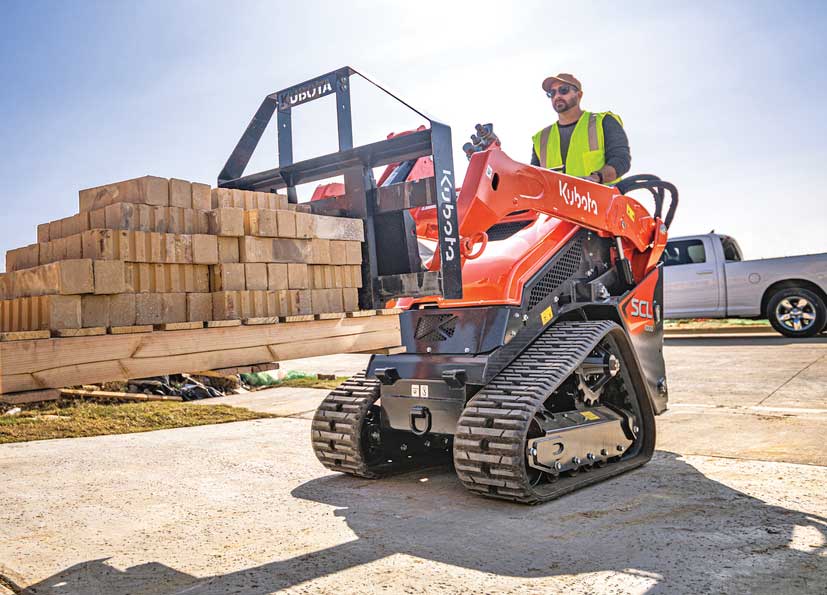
(482, 140)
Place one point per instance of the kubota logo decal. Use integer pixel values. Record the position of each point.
(446, 189)
(311, 90)
(580, 201)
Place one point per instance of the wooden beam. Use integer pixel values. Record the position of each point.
(24, 335)
(33, 396)
(109, 395)
(55, 363)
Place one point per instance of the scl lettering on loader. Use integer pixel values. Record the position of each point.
(529, 356)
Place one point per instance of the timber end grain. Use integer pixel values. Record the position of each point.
(149, 190)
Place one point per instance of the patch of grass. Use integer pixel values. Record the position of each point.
(312, 382)
(73, 419)
(714, 323)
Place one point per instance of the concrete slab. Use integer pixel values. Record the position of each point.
(808, 388)
(282, 401)
(789, 436)
(340, 365)
(738, 371)
(246, 508)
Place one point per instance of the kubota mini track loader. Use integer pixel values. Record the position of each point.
(532, 309)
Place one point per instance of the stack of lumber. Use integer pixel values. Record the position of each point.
(32, 370)
(155, 253)
(155, 276)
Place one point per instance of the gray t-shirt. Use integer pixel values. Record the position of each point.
(618, 154)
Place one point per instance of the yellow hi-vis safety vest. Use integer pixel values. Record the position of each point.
(586, 147)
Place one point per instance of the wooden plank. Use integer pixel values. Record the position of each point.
(50, 363)
(110, 395)
(110, 276)
(361, 313)
(228, 249)
(220, 373)
(179, 326)
(34, 396)
(199, 307)
(201, 198)
(329, 316)
(42, 233)
(387, 350)
(23, 258)
(297, 318)
(338, 228)
(226, 222)
(67, 277)
(261, 320)
(145, 367)
(222, 323)
(39, 313)
(24, 335)
(129, 330)
(148, 190)
(350, 299)
(79, 332)
(347, 344)
(180, 193)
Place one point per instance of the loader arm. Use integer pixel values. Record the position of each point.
(496, 185)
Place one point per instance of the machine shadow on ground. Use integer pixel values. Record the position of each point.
(666, 521)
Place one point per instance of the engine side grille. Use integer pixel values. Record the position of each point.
(435, 328)
(566, 266)
(501, 231)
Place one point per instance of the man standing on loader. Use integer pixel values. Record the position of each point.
(589, 145)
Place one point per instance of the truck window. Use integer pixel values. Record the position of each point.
(684, 252)
(731, 253)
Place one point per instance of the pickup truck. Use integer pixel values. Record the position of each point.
(705, 276)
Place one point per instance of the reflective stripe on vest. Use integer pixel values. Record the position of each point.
(586, 147)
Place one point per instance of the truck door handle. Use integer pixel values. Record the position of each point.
(703, 272)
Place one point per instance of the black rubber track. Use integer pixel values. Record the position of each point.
(336, 431)
(339, 437)
(490, 441)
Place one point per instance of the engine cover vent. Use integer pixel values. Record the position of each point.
(435, 328)
(562, 270)
(502, 231)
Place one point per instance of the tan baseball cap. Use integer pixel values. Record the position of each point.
(561, 78)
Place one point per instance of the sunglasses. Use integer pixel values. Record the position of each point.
(561, 90)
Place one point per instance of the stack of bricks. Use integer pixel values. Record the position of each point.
(153, 251)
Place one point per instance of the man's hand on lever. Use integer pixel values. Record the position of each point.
(607, 172)
(482, 140)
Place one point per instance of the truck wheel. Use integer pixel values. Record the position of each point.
(797, 312)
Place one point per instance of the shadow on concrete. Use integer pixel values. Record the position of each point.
(741, 340)
(666, 523)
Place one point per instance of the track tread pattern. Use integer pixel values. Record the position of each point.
(490, 439)
(337, 427)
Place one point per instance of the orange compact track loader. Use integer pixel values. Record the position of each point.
(532, 307)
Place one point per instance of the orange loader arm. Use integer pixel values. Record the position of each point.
(496, 185)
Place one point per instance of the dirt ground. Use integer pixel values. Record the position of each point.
(733, 502)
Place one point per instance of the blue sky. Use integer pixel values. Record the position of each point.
(726, 101)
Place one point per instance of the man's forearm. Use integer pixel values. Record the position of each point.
(618, 155)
